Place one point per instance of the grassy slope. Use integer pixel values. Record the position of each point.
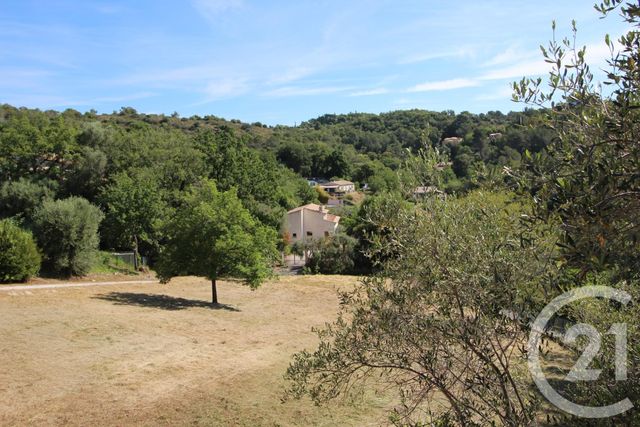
(106, 263)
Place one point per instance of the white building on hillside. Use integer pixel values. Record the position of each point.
(311, 221)
(338, 187)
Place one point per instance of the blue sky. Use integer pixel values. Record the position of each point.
(280, 62)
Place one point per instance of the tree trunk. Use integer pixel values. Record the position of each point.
(135, 253)
(214, 292)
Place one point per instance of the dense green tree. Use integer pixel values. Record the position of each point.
(86, 175)
(384, 180)
(337, 165)
(371, 223)
(35, 145)
(21, 198)
(67, 233)
(19, 256)
(95, 135)
(364, 171)
(588, 181)
(297, 157)
(331, 255)
(134, 210)
(589, 176)
(463, 161)
(429, 167)
(265, 187)
(322, 195)
(214, 236)
(299, 190)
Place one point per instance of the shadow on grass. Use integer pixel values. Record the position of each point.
(164, 302)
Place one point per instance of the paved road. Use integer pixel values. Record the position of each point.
(70, 285)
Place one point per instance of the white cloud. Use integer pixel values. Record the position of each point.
(225, 88)
(403, 102)
(290, 75)
(370, 92)
(429, 56)
(172, 77)
(406, 103)
(510, 55)
(518, 70)
(517, 64)
(499, 94)
(305, 91)
(443, 85)
(597, 54)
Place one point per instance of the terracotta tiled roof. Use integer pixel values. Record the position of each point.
(317, 208)
(332, 218)
(310, 206)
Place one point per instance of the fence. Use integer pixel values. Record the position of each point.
(128, 257)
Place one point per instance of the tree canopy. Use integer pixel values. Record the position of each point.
(213, 235)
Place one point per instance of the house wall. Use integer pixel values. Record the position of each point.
(330, 189)
(312, 222)
(341, 188)
(294, 224)
(347, 188)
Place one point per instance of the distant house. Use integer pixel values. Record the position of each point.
(420, 192)
(452, 140)
(495, 136)
(311, 221)
(314, 182)
(338, 187)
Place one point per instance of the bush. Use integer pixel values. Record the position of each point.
(322, 195)
(19, 257)
(22, 197)
(331, 255)
(67, 231)
(433, 321)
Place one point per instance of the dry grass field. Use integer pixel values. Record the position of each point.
(151, 354)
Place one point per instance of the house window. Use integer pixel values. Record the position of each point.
(295, 235)
(309, 233)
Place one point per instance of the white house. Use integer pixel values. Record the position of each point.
(424, 191)
(452, 140)
(339, 187)
(311, 221)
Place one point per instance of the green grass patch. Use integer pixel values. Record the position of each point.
(106, 263)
